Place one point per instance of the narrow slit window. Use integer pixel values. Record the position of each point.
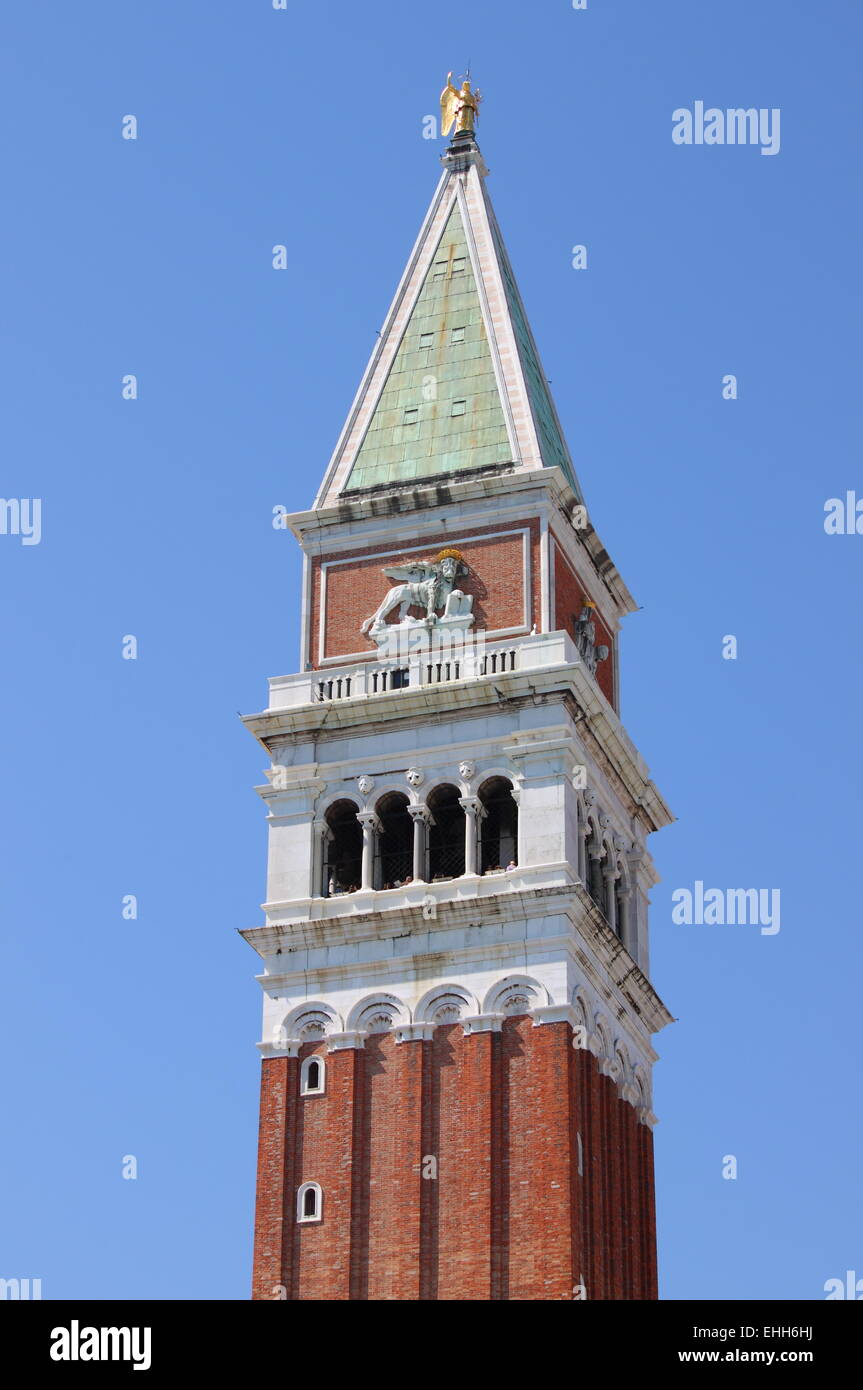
(458, 265)
(426, 340)
(439, 269)
(459, 407)
(411, 416)
(457, 335)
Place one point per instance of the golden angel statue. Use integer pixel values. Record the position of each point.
(459, 106)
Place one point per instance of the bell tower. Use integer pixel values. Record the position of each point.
(456, 1046)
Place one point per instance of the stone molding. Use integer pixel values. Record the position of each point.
(415, 1032)
(513, 995)
(338, 1042)
(606, 964)
(482, 1023)
(289, 1048)
(565, 677)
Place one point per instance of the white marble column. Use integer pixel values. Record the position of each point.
(371, 826)
(322, 835)
(422, 818)
(473, 813)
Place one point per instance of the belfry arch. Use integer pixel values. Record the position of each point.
(446, 847)
(344, 849)
(498, 829)
(394, 842)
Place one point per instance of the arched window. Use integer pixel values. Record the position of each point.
(499, 827)
(312, 1074)
(310, 1202)
(395, 841)
(344, 857)
(446, 834)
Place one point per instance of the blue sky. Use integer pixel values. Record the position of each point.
(153, 257)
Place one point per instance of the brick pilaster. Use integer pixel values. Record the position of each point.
(273, 1212)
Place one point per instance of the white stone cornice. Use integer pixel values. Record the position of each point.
(554, 682)
(473, 503)
(465, 902)
(320, 530)
(414, 1032)
(539, 745)
(289, 1048)
(481, 1023)
(290, 799)
(601, 956)
(554, 1013)
(621, 969)
(338, 1042)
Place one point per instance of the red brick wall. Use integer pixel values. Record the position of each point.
(618, 1253)
(649, 1275)
(462, 1104)
(355, 590)
(538, 1158)
(276, 1181)
(508, 1216)
(569, 595)
(616, 1213)
(322, 1154)
(394, 1109)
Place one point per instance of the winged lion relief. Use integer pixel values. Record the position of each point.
(429, 585)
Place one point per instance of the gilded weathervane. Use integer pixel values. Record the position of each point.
(458, 105)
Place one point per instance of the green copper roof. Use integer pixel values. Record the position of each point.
(554, 451)
(439, 411)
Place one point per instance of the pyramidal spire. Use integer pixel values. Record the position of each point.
(455, 386)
